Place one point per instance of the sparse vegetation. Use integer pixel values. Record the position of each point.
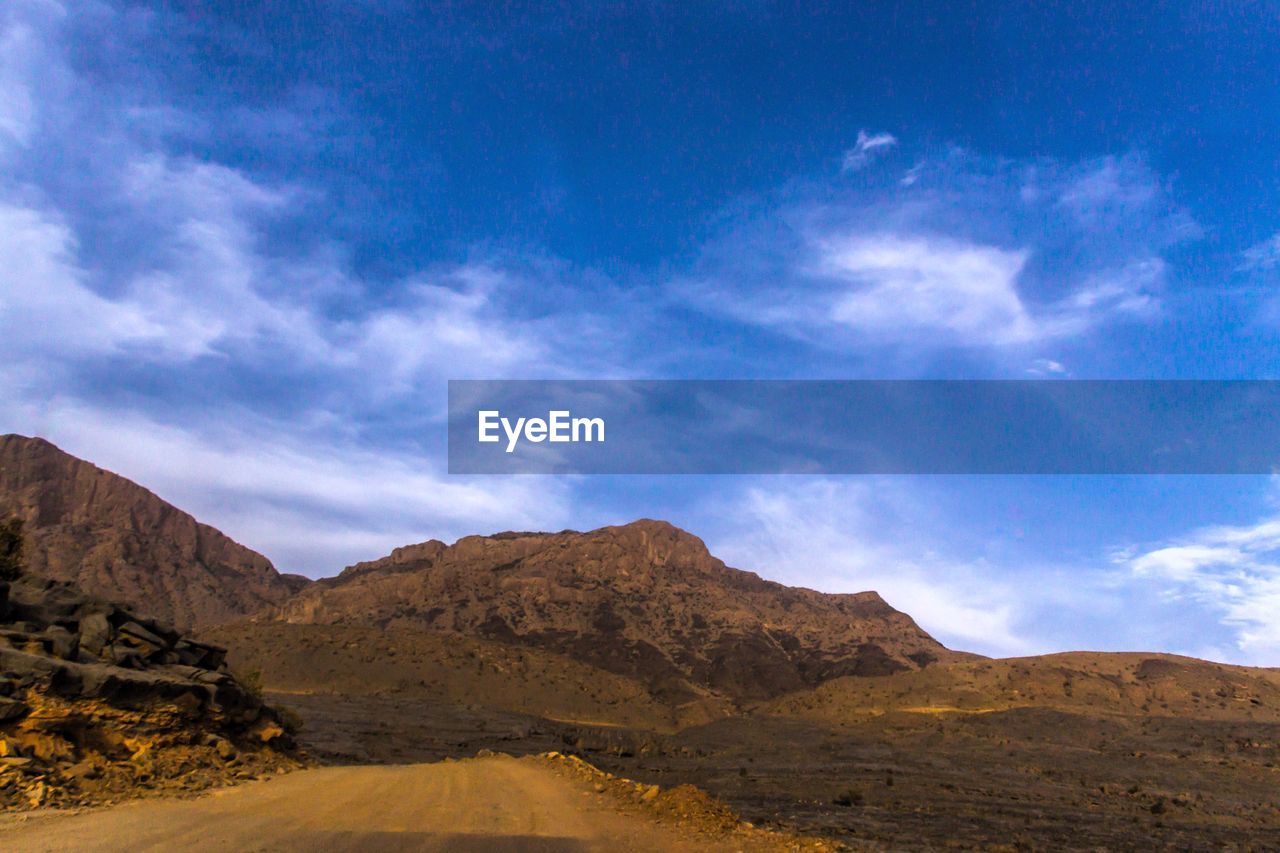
(250, 679)
(289, 718)
(849, 798)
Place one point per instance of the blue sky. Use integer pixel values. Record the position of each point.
(244, 246)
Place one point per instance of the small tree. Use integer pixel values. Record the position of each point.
(10, 549)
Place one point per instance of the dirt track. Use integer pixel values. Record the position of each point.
(487, 804)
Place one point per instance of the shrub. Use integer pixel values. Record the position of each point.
(250, 680)
(851, 797)
(289, 718)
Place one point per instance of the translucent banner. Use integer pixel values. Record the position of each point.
(863, 427)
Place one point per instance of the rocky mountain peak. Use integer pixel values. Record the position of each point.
(120, 541)
(644, 599)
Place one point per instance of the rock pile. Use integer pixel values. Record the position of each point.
(97, 703)
(690, 808)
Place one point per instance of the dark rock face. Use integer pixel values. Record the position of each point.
(119, 541)
(645, 600)
(11, 564)
(97, 700)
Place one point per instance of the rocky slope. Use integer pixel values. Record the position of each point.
(97, 703)
(119, 541)
(1132, 684)
(442, 669)
(645, 600)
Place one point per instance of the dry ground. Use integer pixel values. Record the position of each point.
(484, 804)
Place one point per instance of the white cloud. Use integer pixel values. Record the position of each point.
(208, 290)
(855, 535)
(1126, 293)
(25, 67)
(302, 487)
(900, 285)
(868, 146)
(309, 500)
(457, 331)
(17, 107)
(1109, 189)
(864, 290)
(201, 303)
(44, 303)
(899, 538)
(1047, 367)
(966, 252)
(199, 293)
(1234, 571)
(207, 281)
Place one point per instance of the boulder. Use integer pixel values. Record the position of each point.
(61, 643)
(95, 632)
(226, 749)
(146, 642)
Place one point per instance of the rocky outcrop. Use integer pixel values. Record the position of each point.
(97, 702)
(10, 549)
(646, 600)
(117, 540)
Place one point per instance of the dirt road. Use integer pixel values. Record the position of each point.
(487, 804)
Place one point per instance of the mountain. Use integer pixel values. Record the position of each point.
(120, 542)
(644, 600)
(1138, 684)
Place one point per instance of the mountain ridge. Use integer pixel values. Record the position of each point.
(120, 541)
(644, 599)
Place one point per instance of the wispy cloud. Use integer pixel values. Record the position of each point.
(309, 497)
(208, 290)
(1047, 367)
(276, 394)
(1234, 571)
(867, 147)
(969, 253)
(1108, 191)
(911, 175)
(1262, 256)
(17, 104)
(895, 285)
(44, 303)
(304, 485)
(850, 536)
(1214, 593)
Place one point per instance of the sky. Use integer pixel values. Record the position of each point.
(244, 246)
